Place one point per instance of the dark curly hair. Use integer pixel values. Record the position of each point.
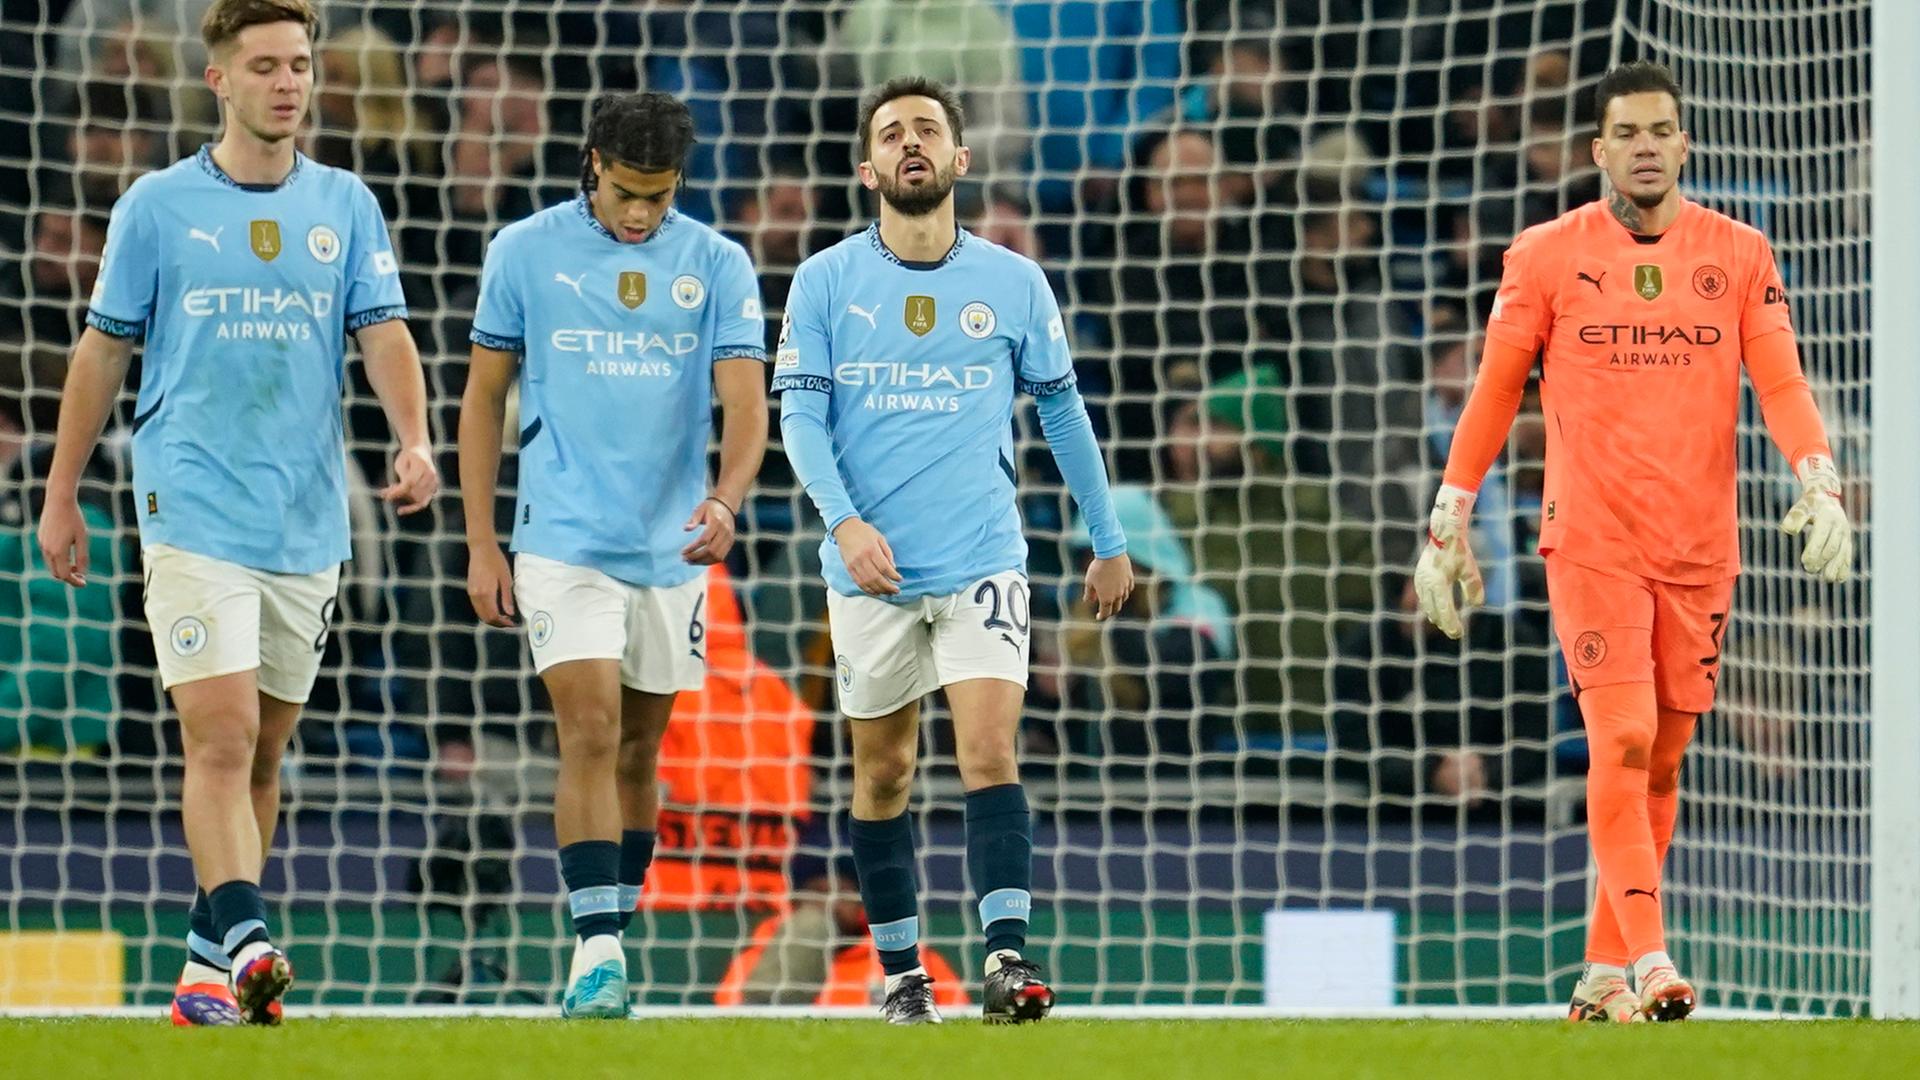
(910, 86)
(649, 132)
(1639, 77)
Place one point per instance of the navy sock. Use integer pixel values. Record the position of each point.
(1000, 861)
(636, 854)
(591, 870)
(239, 915)
(890, 889)
(203, 935)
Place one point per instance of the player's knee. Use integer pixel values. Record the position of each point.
(226, 751)
(639, 760)
(589, 735)
(985, 761)
(886, 775)
(1628, 745)
(1663, 773)
(265, 771)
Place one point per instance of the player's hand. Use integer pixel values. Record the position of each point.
(63, 540)
(1828, 549)
(416, 479)
(869, 560)
(714, 519)
(1446, 562)
(1109, 583)
(490, 584)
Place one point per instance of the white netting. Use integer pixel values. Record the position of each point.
(1273, 226)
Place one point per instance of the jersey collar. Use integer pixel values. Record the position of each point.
(213, 169)
(959, 241)
(585, 209)
(1679, 220)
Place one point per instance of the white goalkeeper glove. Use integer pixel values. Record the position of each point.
(1446, 561)
(1828, 549)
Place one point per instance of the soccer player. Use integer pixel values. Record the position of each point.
(902, 348)
(245, 267)
(1643, 308)
(622, 321)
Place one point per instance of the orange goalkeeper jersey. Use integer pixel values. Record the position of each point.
(1641, 341)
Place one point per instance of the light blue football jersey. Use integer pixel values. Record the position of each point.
(921, 364)
(246, 294)
(617, 344)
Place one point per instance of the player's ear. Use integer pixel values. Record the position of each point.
(962, 158)
(868, 178)
(593, 155)
(1599, 153)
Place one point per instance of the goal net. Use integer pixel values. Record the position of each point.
(1275, 229)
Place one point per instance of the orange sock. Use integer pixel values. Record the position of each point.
(1605, 943)
(1621, 721)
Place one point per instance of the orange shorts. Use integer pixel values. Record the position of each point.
(1616, 627)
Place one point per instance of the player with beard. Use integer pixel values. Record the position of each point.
(898, 362)
(1642, 308)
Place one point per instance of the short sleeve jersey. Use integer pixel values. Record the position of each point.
(245, 295)
(1641, 340)
(618, 343)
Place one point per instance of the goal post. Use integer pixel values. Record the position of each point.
(1272, 221)
(1895, 986)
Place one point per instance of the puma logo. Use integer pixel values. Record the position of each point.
(570, 282)
(856, 309)
(1593, 281)
(1008, 638)
(212, 238)
(1651, 894)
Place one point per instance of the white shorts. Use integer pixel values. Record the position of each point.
(886, 655)
(659, 635)
(211, 617)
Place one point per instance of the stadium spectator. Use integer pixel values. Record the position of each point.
(966, 44)
(115, 136)
(1179, 275)
(1420, 717)
(57, 655)
(1354, 370)
(43, 294)
(364, 118)
(1267, 539)
(1155, 675)
(779, 223)
(1239, 100)
(500, 165)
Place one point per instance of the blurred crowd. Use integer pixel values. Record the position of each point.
(1275, 228)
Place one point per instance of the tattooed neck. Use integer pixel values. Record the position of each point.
(1624, 211)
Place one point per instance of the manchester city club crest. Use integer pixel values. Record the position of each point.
(845, 671)
(323, 244)
(976, 320)
(264, 237)
(1710, 282)
(189, 636)
(1647, 281)
(632, 288)
(918, 314)
(688, 291)
(540, 628)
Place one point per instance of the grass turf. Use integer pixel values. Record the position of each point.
(844, 1050)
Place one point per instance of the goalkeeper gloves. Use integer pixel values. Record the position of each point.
(1828, 549)
(1446, 561)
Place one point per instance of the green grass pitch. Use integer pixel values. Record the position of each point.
(1060, 1048)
